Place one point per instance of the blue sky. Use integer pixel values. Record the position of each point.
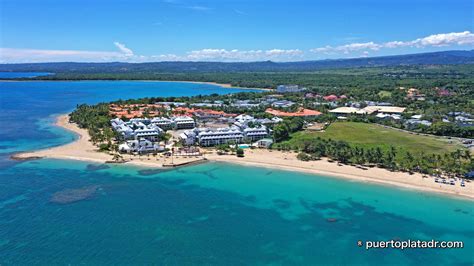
(228, 30)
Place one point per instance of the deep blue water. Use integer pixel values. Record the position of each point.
(218, 214)
(11, 75)
(26, 108)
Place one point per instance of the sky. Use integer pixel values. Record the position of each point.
(229, 30)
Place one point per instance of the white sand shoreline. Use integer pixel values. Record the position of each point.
(82, 149)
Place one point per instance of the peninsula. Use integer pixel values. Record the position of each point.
(83, 149)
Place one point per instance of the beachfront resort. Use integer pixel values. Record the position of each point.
(142, 127)
(334, 133)
(301, 130)
(142, 135)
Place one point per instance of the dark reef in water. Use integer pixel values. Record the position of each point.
(95, 167)
(147, 172)
(17, 157)
(72, 195)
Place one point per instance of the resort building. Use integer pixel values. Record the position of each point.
(177, 104)
(188, 137)
(136, 110)
(136, 130)
(283, 104)
(200, 113)
(289, 88)
(266, 121)
(216, 136)
(385, 109)
(331, 98)
(184, 122)
(414, 123)
(345, 111)
(263, 143)
(206, 104)
(163, 123)
(140, 146)
(245, 104)
(243, 120)
(207, 137)
(151, 134)
(384, 116)
(145, 121)
(301, 112)
(124, 130)
(255, 133)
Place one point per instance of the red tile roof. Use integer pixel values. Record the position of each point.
(300, 112)
(331, 97)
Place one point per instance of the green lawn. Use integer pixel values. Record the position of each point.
(372, 135)
(385, 94)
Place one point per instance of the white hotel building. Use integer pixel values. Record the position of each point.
(184, 122)
(255, 133)
(219, 136)
(163, 123)
(136, 130)
(210, 137)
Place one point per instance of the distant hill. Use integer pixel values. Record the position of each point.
(434, 58)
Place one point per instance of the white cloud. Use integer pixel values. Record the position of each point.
(445, 39)
(279, 52)
(436, 40)
(245, 55)
(126, 51)
(12, 55)
(348, 48)
(15, 55)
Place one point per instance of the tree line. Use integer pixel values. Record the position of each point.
(456, 163)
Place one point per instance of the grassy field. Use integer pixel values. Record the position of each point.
(372, 135)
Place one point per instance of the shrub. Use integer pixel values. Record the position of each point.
(303, 156)
(240, 152)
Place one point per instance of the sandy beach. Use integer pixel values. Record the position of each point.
(223, 85)
(82, 149)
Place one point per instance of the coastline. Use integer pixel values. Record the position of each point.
(82, 149)
(223, 85)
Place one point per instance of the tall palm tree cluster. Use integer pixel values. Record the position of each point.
(456, 163)
(95, 118)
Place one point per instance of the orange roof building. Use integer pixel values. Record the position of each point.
(134, 110)
(200, 112)
(301, 112)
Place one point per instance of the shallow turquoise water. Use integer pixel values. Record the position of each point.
(212, 213)
(218, 213)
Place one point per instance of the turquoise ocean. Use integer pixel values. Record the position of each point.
(207, 214)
